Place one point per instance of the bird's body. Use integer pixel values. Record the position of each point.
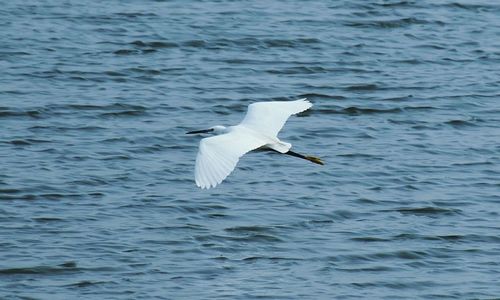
(218, 155)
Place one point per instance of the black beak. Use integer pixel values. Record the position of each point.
(200, 131)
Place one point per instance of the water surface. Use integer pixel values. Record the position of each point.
(97, 195)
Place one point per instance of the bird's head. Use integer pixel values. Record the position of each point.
(218, 129)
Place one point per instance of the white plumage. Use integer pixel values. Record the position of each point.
(218, 155)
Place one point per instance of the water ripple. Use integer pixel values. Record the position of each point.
(97, 198)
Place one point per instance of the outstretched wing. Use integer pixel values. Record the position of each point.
(269, 117)
(218, 156)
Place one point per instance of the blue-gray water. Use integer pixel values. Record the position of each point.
(97, 195)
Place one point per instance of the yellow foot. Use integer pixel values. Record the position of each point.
(315, 160)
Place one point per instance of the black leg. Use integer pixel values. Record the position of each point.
(313, 159)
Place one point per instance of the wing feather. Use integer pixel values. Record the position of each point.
(218, 155)
(201, 176)
(270, 117)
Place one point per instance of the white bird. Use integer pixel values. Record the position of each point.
(218, 155)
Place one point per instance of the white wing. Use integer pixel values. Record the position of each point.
(269, 117)
(218, 155)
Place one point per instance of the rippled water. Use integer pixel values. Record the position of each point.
(97, 193)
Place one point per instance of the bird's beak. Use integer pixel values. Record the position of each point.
(200, 131)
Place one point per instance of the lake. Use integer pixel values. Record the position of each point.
(97, 191)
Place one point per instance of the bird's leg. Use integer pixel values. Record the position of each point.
(313, 159)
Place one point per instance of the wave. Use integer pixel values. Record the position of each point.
(460, 123)
(299, 70)
(428, 210)
(66, 268)
(391, 24)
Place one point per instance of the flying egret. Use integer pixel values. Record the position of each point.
(218, 155)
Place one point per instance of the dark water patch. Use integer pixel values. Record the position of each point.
(397, 4)
(397, 285)
(403, 254)
(353, 110)
(473, 7)
(433, 46)
(378, 256)
(230, 109)
(10, 191)
(408, 236)
(421, 237)
(463, 60)
(356, 111)
(362, 87)
(146, 71)
(55, 196)
(252, 43)
(249, 229)
(272, 259)
(134, 51)
(339, 215)
(124, 113)
(28, 197)
(18, 142)
(47, 219)
(87, 283)
(154, 44)
(26, 142)
(315, 223)
(236, 42)
(247, 238)
(126, 52)
(450, 237)
(408, 122)
(238, 61)
(106, 110)
(308, 40)
(367, 201)
(153, 148)
(115, 157)
(413, 61)
(370, 239)
(58, 73)
(115, 74)
(194, 43)
(258, 238)
(428, 211)
(390, 24)
(460, 123)
(7, 54)
(473, 163)
(32, 114)
(113, 106)
(424, 127)
(360, 155)
(173, 71)
(136, 14)
(78, 75)
(11, 92)
(197, 209)
(312, 96)
(375, 269)
(116, 140)
(273, 43)
(298, 70)
(456, 238)
(66, 268)
(75, 128)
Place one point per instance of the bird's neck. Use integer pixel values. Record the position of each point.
(219, 129)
